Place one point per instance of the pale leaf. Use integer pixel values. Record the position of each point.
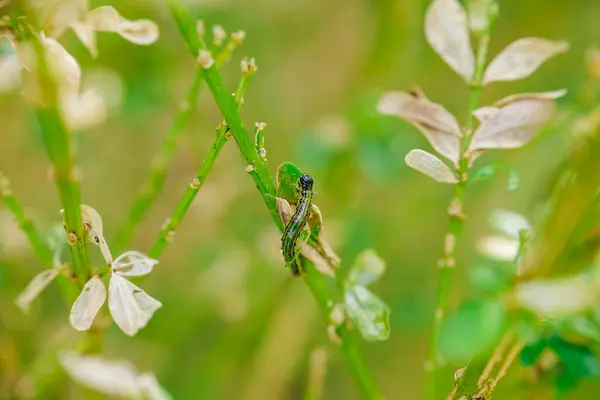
(418, 109)
(514, 125)
(552, 95)
(112, 378)
(93, 223)
(148, 384)
(485, 113)
(88, 303)
(10, 72)
(142, 32)
(63, 67)
(62, 14)
(367, 268)
(82, 110)
(322, 264)
(87, 36)
(446, 144)
(285, 210)
(430, 165)
(448, 34)
(34, 288)
(498, 248)
(130, 306)
(556, 298)
(368, 313)
(104, 18)
(509, 222)
(134, 263)
(521, 58)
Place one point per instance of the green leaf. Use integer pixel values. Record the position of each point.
(578, 362)
(287, 181)
(474, 328)
(532, 351)
(489, 278)
(367, 268)
(370, 315)
(488, 171)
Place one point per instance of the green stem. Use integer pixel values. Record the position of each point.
(455, 226)
(57, 141)
(266, 186)
(171, 225)
(158, 173)
(39, 245)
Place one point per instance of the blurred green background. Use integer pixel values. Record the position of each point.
(234, 324)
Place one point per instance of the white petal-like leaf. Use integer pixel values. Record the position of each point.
(445, 144)
(82, 110)
(148, 385)
(448, 34)
(285, 210)
(498, 247)
(558, 297)
(367, 268)
(552, 95)
(485, 113)
(368, 313)
(34, 288)
(63, 67)
(113, 378)
(104, 18)
(87, 36)
(416, 108)
(130, 306)
(10, 72)
(514, 125)
(509, 222)
(88, 303)
(134, 263)
(143, 31)
(430, 165)
(521, 58)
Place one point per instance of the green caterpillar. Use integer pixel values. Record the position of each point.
(294, 228)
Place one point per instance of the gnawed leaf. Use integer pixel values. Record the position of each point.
(437, 124)
(556, 297)
(513, 126)
(474, 328)
(447, 32)
(551, 95)
(88, 303)
(498, 248)
(287, 181)
(368, 313)
(34, 288)
(367, 268)
(133, 263)
(130, 306)
(430, 165)
(521, 58)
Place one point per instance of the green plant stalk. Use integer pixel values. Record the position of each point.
(57, 141)
(266, 186)
(455, 226)
(158, 173)
(184, 204)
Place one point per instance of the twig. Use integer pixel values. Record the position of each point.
(266, 186)
(456, 222)
(495, 358)
(158, 173)
(57, 141)
(170, 226)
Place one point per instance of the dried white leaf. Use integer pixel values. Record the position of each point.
(552, 95)
(322, 264)
(133, 263)
(113, 378)
(87, 36)
(447, 32)
(509, 222)
(514, 125)
(420, 110)
(34, 288)
(485, 113)
(88, 303)
(285, 210)
(83, 110)
(556, 298)
(62, 65)
(446, 144)
(368, 267)
(521, 58)
(130, 306)
(10, 72)
(62, 14)
(430, 165)
(498, 248)
(93, 223)
(142, 31)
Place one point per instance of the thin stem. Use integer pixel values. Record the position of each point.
(156, 179)
(39, 245)
(455, 226)
(59, 147)
(171, 225)
(266, 186)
